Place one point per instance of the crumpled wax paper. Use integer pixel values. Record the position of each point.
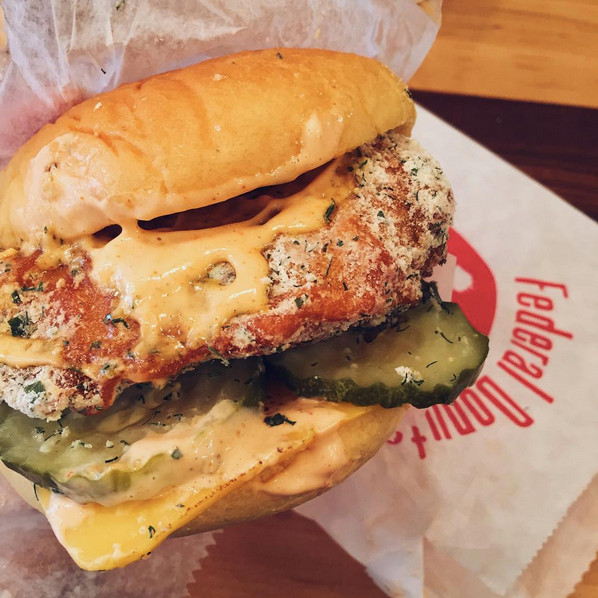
(63, 51)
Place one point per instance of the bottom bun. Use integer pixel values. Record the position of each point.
(282, 486)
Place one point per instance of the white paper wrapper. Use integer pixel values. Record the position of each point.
(62, 51)
(32, 563)
(506, 471)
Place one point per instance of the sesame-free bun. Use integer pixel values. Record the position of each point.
(196, 136)
(361, 439)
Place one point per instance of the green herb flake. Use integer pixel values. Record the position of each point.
(381, 214)
(340, 243)
(39, 288)
(363, 163)
(19, 325)
(279, 55)
(120, 4)
(176, 454)
(328, 269)
(218, 355)
(448, 340)
(16, 298)
(111, 460)
(108, 319)
(95, 345)
(299, 301)
(277, 419)
(152, 530)
(329, 211)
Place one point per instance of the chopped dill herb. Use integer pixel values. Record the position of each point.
(277, 419)
(448, 340)
(329, 210)
(328, 269)
(218, 355)
(108, 319)
(19, 325)
(39, 288)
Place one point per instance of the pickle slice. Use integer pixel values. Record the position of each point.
(99, 458)
(428, 357)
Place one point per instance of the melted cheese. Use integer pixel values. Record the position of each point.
(162, 278)
(104, 537)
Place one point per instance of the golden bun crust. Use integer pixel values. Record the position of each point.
(196, 136)
(361, 438)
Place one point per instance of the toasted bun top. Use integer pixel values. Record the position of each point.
(200, 135)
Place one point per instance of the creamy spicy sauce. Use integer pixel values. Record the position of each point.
(99, 536)
(163, 278)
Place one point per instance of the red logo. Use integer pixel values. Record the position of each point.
(474, 288)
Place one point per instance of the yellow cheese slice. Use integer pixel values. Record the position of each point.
(102, 537)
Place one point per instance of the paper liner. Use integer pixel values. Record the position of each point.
(32, 562)
(467, 496)
(63, 51)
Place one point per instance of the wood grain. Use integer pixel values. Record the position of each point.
(588, 586)
(534, 50)
(284, 555)
(555, 145)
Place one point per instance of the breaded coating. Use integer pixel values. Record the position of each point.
(365, 262)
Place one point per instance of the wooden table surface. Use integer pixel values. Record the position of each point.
(535, 50)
